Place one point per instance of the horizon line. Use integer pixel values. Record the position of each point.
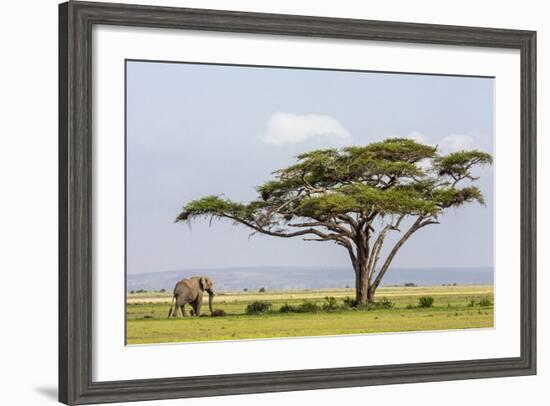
(302, 266)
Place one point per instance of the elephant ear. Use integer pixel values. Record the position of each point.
(202, 282)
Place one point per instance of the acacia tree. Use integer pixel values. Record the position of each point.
(354, 197)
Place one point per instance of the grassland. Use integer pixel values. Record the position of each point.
(454, 307)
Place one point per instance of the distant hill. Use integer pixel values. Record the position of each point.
(284, 278)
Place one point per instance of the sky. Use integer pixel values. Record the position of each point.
(195, 130)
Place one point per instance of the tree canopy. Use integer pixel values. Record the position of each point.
(353, 197)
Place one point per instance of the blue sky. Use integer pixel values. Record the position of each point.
(196, 130)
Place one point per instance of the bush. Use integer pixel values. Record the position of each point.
(162, 290)
(307, 307)
(409, 306)
(258, 307)
(245, 290)
(349, 302)
(485, 302)
(330, 304)
(286, 308)
(410, 284)
(262, 290)
(384, 303)
(425, 301)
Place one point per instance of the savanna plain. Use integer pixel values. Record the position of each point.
(272, 314)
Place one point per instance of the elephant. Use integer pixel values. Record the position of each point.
(191, 291)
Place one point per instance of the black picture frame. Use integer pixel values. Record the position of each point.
(76, 20)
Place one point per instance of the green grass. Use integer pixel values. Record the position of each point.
(147, 320)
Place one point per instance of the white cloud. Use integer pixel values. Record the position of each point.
(418, 137)
(448, 144)
(454, 142)
(288, 128)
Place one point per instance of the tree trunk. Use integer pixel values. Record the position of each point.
(363, 292)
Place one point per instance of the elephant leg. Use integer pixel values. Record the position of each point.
(182, 307)
(179, 305)
(198, 308)
(175, 312)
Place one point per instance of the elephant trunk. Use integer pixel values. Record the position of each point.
(210, 298)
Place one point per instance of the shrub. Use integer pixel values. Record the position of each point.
(484, 302)
(330, 304)
(286, 308)
(258, 307)
(349, 302)
(245, 290)
(162, 290)
(409, 306)
(262, 290)
(384, 303)
(132, 292)
(425, 301)
(141, 291)
(308, 307)
(410, 284)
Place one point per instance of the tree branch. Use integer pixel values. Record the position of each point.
(418, 224)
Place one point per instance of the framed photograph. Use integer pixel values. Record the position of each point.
(259, 202)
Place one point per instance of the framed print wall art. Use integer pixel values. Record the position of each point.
(260, 202)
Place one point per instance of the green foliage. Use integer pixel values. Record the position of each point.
(258, 307)
(286, 308)
(483, 302)
(383, 303)
(397, 200)
(330, 304)
(425, 301)
(393, 176)
(449, 197)
(214, 205)
(349, 302)
(308, 306)
(262, 290)
(459, 163)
